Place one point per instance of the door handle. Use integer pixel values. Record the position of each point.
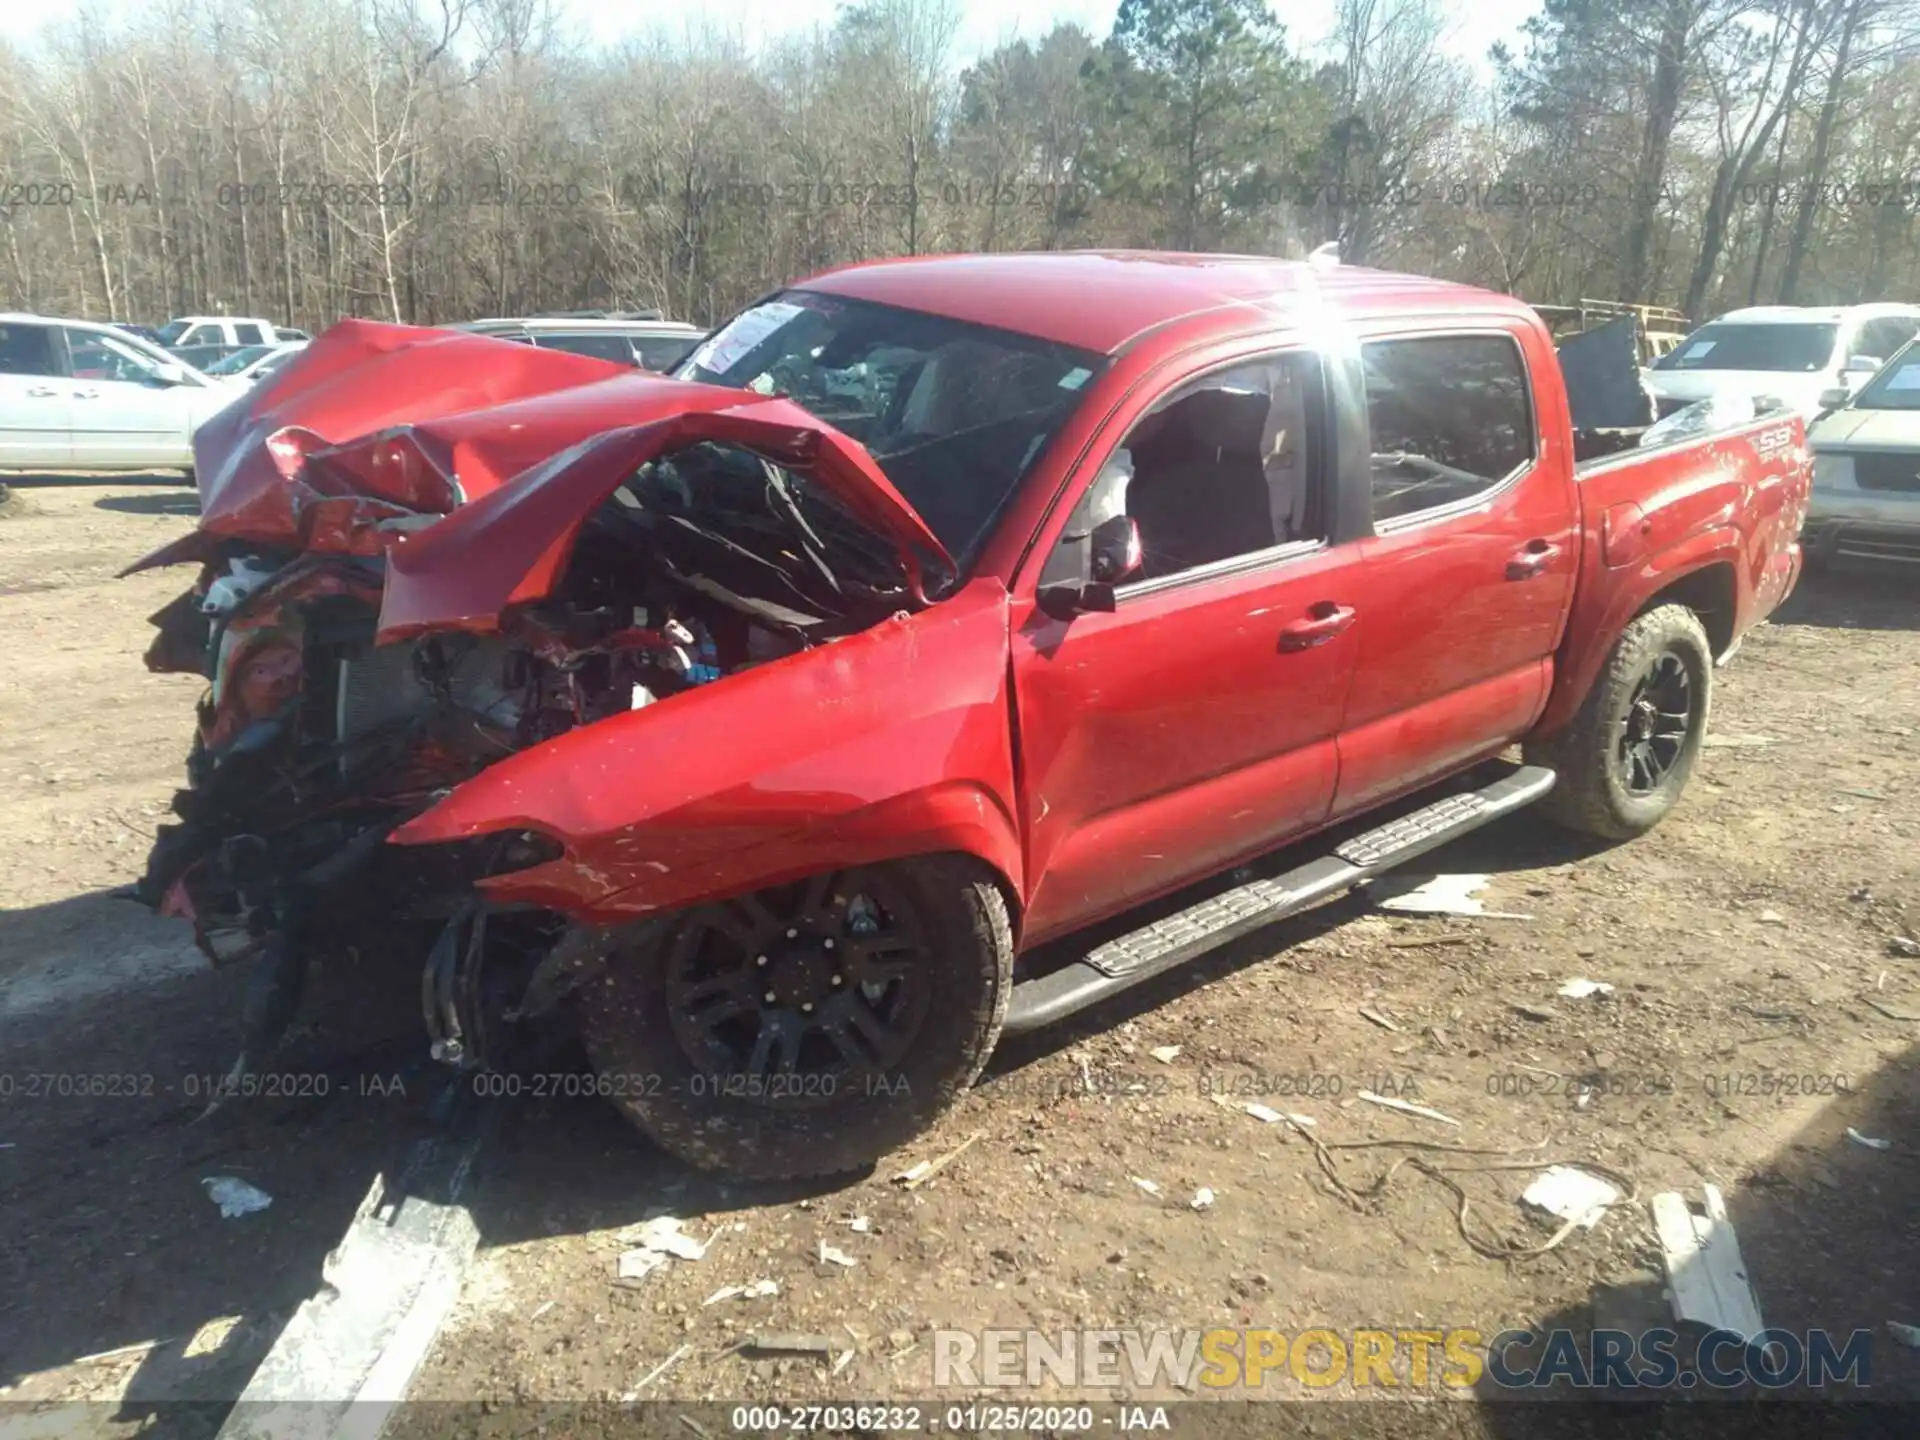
(1324, 621)
(1532, 559)
(86, 394)
(42, 392)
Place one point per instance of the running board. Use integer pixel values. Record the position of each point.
(1188, 934)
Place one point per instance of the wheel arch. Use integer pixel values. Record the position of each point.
(1712, 592)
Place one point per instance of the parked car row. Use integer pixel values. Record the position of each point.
(1853, 373)
(79, 394)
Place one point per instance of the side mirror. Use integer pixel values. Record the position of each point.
(1862, 364)
(1835, 398)
(1116, 551)
(170, 372)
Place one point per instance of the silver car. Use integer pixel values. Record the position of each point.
(1866, 476)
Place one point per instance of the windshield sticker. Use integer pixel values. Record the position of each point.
(726, 349)
(1074, 378)
(1907, 377)
(1695, 352)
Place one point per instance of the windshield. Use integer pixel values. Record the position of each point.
(1790, 346)
(239, 360)
(1897, 386)
(172, 331)
(954, 414)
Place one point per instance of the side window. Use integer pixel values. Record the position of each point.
(94, 356)
(1450, 418)
(1881, 338)
(203, 335)
(664, 354)
(1227, 465)
(600, 346)
(248, 335)
(26, 350)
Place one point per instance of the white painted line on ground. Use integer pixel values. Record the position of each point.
(350, 1352)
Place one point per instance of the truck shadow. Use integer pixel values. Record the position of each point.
(1855, 597)
(1827, 1229)
(35, 479)
(119, 1278)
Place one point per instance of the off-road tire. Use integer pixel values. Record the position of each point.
(649, 1075)
(1592, 795)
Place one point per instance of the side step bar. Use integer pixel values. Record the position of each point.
(1165, 944)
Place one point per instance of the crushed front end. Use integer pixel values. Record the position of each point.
(585, 583)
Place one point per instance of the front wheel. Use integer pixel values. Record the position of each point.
(810, 1029)
(1626, 756)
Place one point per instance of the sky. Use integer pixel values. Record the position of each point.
(985, 23)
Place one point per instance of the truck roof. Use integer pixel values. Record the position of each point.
(1101, 300)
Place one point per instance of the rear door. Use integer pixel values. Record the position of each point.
(1470, 570)
(1195, 724)
(34, 404)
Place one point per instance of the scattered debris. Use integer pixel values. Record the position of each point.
(1904, 947)
(1538, 1012)
(1864, 794)
(918, 1175)
(831, 1256)
(1436, 895)
(1581, 989)
(859, 1224)
(1429, 940)
(1572, 1194)
(639, 1264)
(654, 1374)
(541, 1311)
(1908, 1335)
(1736, 742)
(1868, 1140)
(661, 1243)
(1772, 917)
(235, 1197)
(1165, 1054)
(846, 1359)
(1407, 1107)
(786, 1343)
(758, 1289)
(1706, 1278)
(1146, 1185)
(1891, 1013)
(1377, 1018)
(1202, 1198)
(1264, 1112)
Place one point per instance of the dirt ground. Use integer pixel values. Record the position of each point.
(1759, 1009)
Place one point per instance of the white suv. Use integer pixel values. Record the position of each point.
(1795, 353)
(79, 396)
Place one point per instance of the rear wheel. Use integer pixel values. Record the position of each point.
(1627, 754)
(810, 1029)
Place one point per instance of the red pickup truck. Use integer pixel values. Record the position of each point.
(799, 724)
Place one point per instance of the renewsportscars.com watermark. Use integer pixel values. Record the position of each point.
(1456, 1359)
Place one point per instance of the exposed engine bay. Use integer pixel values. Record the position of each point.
(313, 742)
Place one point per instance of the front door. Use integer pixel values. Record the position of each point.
(33, 397)
(123, 414)
(1195, 724)
(1471, 569)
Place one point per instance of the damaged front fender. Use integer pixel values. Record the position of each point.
(892, 742)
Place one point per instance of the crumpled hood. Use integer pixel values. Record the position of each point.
(375, 426)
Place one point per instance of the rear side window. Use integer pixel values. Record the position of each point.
(26, 350)
(204, 335)
(248, 334)
(1450, 418)
(601, 347)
